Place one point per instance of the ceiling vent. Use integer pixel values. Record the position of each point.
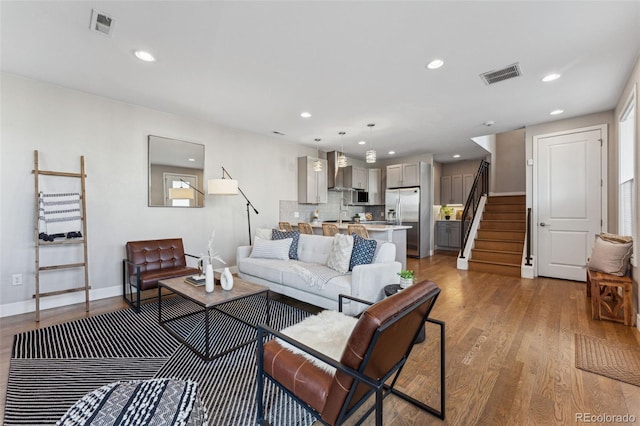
(101, 23)
(505, 73)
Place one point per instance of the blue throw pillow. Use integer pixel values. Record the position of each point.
(277, 234)
(363, 251)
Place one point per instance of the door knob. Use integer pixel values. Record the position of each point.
(543, 224)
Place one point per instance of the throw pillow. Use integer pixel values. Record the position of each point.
(277, 234)
(340, 254)
(271, 249)
(610, 256)
(363, 251)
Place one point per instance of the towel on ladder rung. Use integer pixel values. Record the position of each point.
(59, 213)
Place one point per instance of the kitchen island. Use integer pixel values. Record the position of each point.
(396, 234)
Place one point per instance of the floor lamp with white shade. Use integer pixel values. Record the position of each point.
(229, 186)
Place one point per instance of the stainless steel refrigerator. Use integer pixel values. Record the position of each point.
(405, 203)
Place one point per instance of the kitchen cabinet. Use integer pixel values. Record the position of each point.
(455, 189)
(375, 187)
(448, 234)
(356, 178)
(312, 185)
(403, 175)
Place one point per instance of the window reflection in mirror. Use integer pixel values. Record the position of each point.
(176, 173)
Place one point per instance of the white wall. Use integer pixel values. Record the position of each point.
(63, 124)
(632, 83)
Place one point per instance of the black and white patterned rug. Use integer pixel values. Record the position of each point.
(51, 368)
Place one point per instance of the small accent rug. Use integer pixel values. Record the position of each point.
(52, 368)
(614, 360)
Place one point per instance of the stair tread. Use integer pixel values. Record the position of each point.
(488, 262)
(497, 240)
(497, 251)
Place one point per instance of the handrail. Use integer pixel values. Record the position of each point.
(528, 258)
(480, 187)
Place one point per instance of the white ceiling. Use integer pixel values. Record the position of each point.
(257, 65)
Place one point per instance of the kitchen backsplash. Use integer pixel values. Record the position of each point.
(328, 211)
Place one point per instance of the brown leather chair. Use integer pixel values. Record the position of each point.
(358, 230)
(375, 354)
(329, 229)
(285, 226)
(150, 261)
(305, 228)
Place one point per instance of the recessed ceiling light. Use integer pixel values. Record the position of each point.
(435, 64)
(488, 123)
(391, 152)
(456, 156)
(550, 77)
(362, 142)
(305, 114)
(556, 112)
(192, 159)
(144, 56)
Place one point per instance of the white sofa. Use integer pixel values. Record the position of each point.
(283, 276)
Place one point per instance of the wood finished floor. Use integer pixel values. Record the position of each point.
(509, 343)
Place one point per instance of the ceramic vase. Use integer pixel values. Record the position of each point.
(405, 282)
(209, 278)
(226, 279)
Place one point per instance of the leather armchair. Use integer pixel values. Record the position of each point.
(375, 352)
(150, 261)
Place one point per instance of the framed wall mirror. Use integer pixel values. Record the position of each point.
(176, 173)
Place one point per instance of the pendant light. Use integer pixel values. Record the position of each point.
(370, 155)
(342, 159)
(317, 164)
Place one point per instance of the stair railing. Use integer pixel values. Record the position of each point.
(528, 257)
(480, 187)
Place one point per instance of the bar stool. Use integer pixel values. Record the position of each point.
(329, 229)
(305, 228)
(358, 230)
(285, 226)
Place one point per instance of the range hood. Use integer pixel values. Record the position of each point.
(335, 177)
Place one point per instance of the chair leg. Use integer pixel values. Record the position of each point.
(379, 405)
(260, 381)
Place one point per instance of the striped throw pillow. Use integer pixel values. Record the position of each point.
(271, 249)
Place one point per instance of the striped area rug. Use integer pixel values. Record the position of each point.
(53, 367)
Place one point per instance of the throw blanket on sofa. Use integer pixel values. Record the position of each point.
(316, 275)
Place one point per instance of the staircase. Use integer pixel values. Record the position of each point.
(500, 238)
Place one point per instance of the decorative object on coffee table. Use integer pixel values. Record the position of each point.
(226, 279)
(209, 280)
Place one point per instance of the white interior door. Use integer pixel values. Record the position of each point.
(569, 195)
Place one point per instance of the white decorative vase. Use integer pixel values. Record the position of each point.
(226, 279)
(405, 282)
(209, 278)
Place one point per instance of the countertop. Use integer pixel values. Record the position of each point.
(370, 227)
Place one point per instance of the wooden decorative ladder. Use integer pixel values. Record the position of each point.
(500, 239)
(58, 243)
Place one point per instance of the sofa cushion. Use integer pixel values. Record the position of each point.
(267, 269)
(277, 234)
(340, 255)
(330, 290)
(314, 248)
(363, 251)
(271, 249)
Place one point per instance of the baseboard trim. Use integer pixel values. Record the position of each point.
(27, 306)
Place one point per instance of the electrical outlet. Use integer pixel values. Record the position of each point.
(296, 214)
(16, 279)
